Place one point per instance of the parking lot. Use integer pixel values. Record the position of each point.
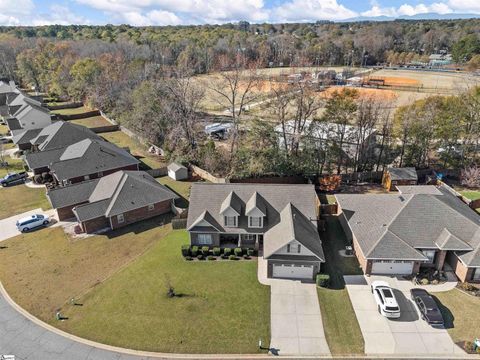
(9, 228)
(407, 335)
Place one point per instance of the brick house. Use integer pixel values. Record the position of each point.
(113, 201)
(422, 226)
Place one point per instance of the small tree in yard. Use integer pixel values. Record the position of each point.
(471, 176)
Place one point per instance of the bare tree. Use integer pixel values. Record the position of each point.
(471, 176)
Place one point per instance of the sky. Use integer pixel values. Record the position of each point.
(186, 12)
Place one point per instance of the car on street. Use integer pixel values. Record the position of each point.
(13, 178)
(32, 222)
(385, 298)
(427, 306)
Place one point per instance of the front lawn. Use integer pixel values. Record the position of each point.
(137, 149)
(92, 122)
(14, 165)
(17, 199)
(44, 269)
(461, 313)
(340, 324)
(220, 307)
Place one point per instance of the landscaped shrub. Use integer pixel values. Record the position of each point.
(210, 257)
(188, 258)
(185, 250)
(217, 251)
(251, 252)
(194, 250)
(227, 251)
(424, 281)
(38, 179)
(467, 287)
(323, 280)
(468, 347)
(205, 250)
(200, 257)
(238, 251)
(232, 257)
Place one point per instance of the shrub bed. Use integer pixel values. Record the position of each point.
(323, 280)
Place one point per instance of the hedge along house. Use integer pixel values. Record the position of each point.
(421, 227)
(113, 201)
(392, 177)
(280, 220)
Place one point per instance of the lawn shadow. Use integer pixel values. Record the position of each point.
(448, 317)
(142, 226)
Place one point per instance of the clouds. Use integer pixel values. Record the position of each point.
(182, 12)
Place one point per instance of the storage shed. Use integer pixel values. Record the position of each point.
(399, 176)
(177, 171)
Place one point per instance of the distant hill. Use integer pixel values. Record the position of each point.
(426, 16)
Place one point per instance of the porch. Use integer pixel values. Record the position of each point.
(254, 241)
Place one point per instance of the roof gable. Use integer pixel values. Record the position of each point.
(232, 202)
(256, 202)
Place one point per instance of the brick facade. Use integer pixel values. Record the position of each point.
(66, 212)
(90, 226)
(463, 273)
(142, 214)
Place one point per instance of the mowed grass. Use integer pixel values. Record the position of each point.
(3, 129)
(340, 324)
(461, 314)
(72, 111)
(14, 165)
(182, 188)
(137, 149)
(220, 307)
(472, 195)
(44, 269)
(92, 122)
(17, 199)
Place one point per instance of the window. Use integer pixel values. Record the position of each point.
(255, 221)
(204, 239)
(231, 221)
(249, 237)
(430, 254)
(299, 248)
(120, 218)
(288, 248)
(151, 207)
(86, 177)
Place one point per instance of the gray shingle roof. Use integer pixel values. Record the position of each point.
(175, 166)
(13, 124)
(256, 202)
(293, 225)
(89, 157)
(232, 201)
(24, 137)
(121, 192)
(406, 173)
(72, 194)
(418, 189)
(40, 159)
(418, 220)
(61, 134)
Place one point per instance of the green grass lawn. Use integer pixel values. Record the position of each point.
(137, 149)
(92, 122)
(221, 307)
(182, 188)
(20, 198)
(340, 323)
(3, 129)
(461, 313)
(14, 165)
(73, 111)
(472, 195)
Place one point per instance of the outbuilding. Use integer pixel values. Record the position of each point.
(177, 171)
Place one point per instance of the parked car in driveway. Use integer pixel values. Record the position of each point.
(13, 178)
(385, 299)
(32, 222)
(427, 306)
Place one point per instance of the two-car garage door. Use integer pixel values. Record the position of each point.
(293, 271)
(395, 267)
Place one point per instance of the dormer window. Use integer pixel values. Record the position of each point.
(255, 221)
(230, 221)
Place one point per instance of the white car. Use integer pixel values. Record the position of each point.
(385, 299)
(32, 222)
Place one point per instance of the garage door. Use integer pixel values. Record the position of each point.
(293, 271)
(392, 267)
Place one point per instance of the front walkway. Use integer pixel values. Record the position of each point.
(296, 321)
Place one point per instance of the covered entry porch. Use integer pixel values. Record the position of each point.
(241, 240)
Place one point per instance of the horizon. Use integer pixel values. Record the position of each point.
(217, 12)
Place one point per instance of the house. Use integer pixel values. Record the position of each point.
(177, 171)
(61, 134)
(278, 220)
(399, 176)
(322, 133)
(22, 139)
(422, 226)
(29, 114)
(113, 201)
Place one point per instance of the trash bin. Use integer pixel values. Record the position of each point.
(348, 250)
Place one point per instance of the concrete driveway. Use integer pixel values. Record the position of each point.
(9, 229)
(408, 335)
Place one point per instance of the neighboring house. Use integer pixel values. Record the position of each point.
(114, 201)
(177, 171)
(440, 59)
(322, 133)
(61, 134)
(392, 177)
(22, 139)
(421, 227)
(281, 220)
(30, 115)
